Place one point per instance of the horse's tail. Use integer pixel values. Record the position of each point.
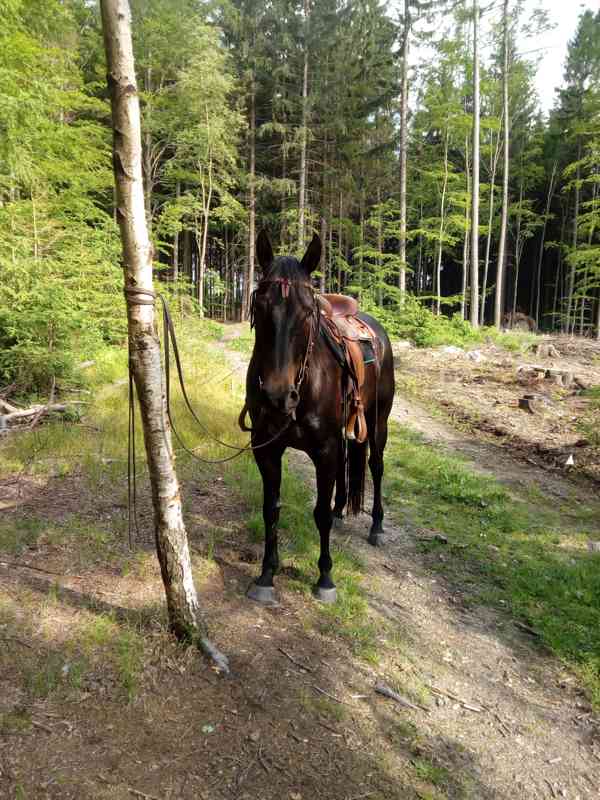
(357, 467)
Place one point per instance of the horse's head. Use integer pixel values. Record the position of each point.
(285, 316)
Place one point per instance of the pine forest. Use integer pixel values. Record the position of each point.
(408, 136)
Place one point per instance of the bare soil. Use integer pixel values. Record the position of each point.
(496, 717)
(480, 391)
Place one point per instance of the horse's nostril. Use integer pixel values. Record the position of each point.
(294, 396)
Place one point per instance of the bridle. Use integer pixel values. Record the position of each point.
(285, 284)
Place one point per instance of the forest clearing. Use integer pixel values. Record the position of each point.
(370, 241)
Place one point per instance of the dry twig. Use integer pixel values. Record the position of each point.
(293, 660)
(382, 688)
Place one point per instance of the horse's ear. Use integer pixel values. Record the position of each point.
(264, 251)
(312, 257)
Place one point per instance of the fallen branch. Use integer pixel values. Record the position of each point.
(4, 563)
(382, 688)
(41, 410)
(456, 699)
(143, 795)
(41, 726)
(293, 660)
(18, 641)
(331, 696)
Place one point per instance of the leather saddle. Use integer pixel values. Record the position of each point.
(339, 315)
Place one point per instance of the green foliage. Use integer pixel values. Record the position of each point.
(58, 246)
(414, 321)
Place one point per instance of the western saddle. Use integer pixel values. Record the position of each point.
(357, 346)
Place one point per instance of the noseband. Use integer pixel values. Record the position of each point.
(285, 284)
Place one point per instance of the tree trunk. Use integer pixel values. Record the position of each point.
(380, 277)
(570, 312)
(403, 150)
(438, 271)
(340, 245)
(474, 316)
(148, 152)
(499, 298)
(302, 188)
(488, 243)
(248, 283)
(171, 539)
(518, 249)
(465, 259)
(176, 242)
(542, 241)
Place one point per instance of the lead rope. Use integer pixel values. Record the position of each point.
(144, 297)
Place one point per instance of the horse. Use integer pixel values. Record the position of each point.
(295, 398)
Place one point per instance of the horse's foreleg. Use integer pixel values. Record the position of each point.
(269, 464)
(326, 474)
(377, 442)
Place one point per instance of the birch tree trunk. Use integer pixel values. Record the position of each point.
(474, 315)
(171, 539)
(403, 151)
(499, 298)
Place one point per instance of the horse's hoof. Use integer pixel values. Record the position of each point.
(325, 595)
(338, 522)
(265, 595)
(376, 539)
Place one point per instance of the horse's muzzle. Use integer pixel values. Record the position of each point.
(285, 401)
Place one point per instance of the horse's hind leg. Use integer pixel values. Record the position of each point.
(341, 491)
(326, 472)
(269, 464)
(377, 442)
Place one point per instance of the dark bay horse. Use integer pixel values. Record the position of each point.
(294, 395)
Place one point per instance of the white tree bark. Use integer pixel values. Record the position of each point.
(474, 315)
(171, 538)
(403, 150)
(438, 271)
(499, 295)
(488, 245)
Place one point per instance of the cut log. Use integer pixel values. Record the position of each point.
(561, 377)
(25, 413)
(545, 350)
(527, 403)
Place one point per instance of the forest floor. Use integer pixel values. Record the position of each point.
(475, 612)
(479, 390)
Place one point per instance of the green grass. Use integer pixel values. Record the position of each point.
(425, 770)
(519, 553)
